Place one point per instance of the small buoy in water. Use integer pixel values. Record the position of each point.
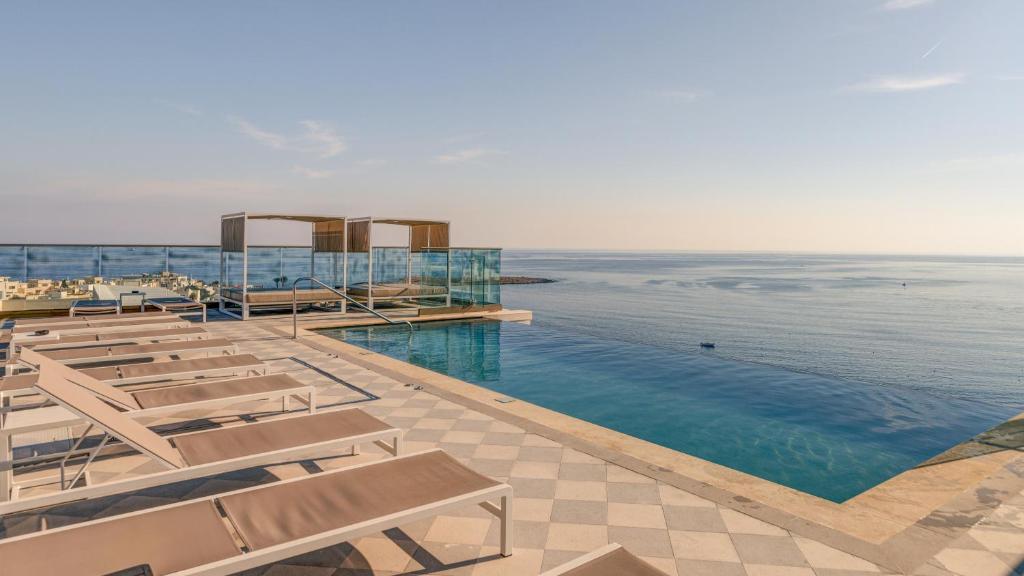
(707, 344)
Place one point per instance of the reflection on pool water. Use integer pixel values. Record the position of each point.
(829, 437)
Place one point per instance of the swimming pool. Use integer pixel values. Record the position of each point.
(825, 436)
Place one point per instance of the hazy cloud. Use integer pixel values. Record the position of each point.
(678, 96)
(311, 173)
(466, 155)
(316, 138)
(907, 83)
(932, 49)
(892, 5)
(183, 108)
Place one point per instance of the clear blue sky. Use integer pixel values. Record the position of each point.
(840, 125)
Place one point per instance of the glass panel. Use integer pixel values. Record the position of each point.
(62, 262)
(121, 261)
(12, 262)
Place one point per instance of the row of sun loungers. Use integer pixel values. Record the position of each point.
(228, 532)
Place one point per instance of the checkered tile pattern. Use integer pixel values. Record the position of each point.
(993, 547)
(566, 502)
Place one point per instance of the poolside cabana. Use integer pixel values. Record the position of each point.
(247, 277)
(416, 274)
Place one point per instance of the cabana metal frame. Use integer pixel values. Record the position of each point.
(328, 236)
(424, 236)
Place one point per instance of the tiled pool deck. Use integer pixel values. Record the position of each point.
(567, 501)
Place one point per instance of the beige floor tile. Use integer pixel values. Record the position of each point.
(463, 437)
(819, 555)
(534, 509)
(620, 474)
(666, 565)
(577, 457)
(576, 537)
(703, 546)
(542, 470)
(770, 570)
(739, 523)
(381, 553)
(580, 490)
(520, 563)
(496, 452)
(676, 497)
(636, 515)
(456, 530)
(775, 550)
(972, 562)
(686, 567)
(999, 540)
(435, 424)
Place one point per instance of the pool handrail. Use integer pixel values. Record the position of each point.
(349, 299)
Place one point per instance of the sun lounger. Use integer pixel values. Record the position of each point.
(96, 319)
(234, 365)
(116, 338)
(177, 305)
(272, 522)
(34, 332)
(611, 560)
(88, 307)
(190, 455)
(155, 401)
(216, 346)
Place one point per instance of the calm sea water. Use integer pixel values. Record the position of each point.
(830, 374)
(822, 435)
(955, 329)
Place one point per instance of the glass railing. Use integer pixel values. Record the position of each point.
(37, 271)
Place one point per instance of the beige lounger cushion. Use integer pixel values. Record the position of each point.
(393, 289)
(217, 389)
(167, 540)
(122, 350)
(150, 369)
(619, 562)
(237, 441)
(304, 295)
(141, 335)
(88, 324)
(59, 319)
(281, 513)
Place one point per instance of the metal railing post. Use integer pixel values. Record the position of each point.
(345, 297)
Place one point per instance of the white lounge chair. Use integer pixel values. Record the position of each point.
(22, 333)
(185, 456)
(123, 374)
(90, 307)
(272, 522)
(116, 338)
(177, 305)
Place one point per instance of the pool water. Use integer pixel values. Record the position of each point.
(826, 436)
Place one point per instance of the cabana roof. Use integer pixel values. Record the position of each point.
(292, 217)
(407, 221)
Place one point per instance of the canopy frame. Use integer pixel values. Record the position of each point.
(424, 236)
(329, 235)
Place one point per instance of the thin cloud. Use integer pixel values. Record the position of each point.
(275, 141)
(894, 5)
(183, 108)
(323, 138)
(316, 138)
(1011, 77)
(932, 49)
(311, 173)
(907, 83)
(371, 162)
(678, 96)
(466, 155)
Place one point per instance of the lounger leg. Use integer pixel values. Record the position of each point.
(6, 468)
(506, 525)
(355, 449)
(312, 401)
(284, 403)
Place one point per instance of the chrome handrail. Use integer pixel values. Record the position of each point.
(295, 305)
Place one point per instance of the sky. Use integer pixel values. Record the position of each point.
(892, 126)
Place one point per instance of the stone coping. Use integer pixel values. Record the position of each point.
(898, 524)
